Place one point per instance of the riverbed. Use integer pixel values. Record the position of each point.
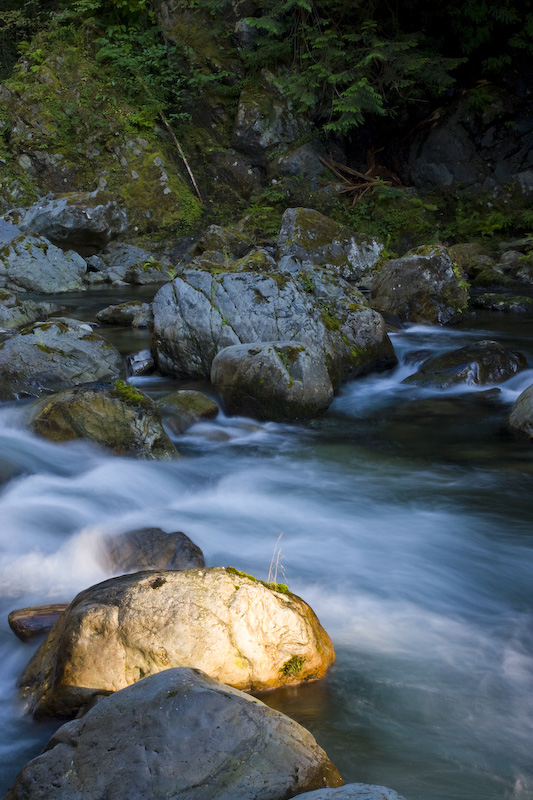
(403, 516)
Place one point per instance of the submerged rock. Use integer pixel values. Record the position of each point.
(185, 407)
(476, 364)
(150, 548)
(521, 418)
(55, 355)
(423, 286)
(515, 304)
(33, 264)
(118, 416)
(179, 735)
(282, 381)
(80, 220)
(353, 791)
(239, 630)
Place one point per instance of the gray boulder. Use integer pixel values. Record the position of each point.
(353, 791)
(199, 314)
(241, 631)
(521, 418)
(150, 548)
(130, 264)
(179, 735)
(423, 286)
(80, 220)
(307, 235)
(282, 381)
(118, 416)
(15, 312)
(33, 264)
(481, 363)
(133, 312)
(55, 355)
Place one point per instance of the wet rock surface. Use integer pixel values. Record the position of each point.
(481, 363)
(237, 629)
(117, 416)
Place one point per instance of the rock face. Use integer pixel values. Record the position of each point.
(118, 416)
(130, 264)
(33, 264)
(54, 355)
(510, 304)
(15, 312)
(521, 418)
(179, 735)
(424, 286)
(476, 364)
(151, 548)
(198, 314)
(281, 381)
(310, 236)
(353, 791)
(85, 221)
(237, 629)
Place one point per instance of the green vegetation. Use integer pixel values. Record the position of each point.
(129, 394)
(293, 666)
(275, 587)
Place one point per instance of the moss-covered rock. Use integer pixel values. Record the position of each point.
(516, 304)
(281, 381)
(118, 416)
(55, 355)
(185, 407)
(482, 363)
(33, 264)
(423, 286)
(16, 312)
(307, 235)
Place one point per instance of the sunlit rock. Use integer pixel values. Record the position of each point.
(239, 630)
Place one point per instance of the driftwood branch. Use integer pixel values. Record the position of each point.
(353, 181)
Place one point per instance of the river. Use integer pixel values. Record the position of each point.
(405, 518)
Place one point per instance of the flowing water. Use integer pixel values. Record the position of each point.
(405, 516)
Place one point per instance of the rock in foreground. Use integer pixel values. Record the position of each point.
(178, 735)
(237, 629)
(118, 416)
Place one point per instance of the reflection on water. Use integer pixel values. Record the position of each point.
(406, 522)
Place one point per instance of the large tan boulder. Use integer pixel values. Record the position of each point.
(178, 735)
(239, 630)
